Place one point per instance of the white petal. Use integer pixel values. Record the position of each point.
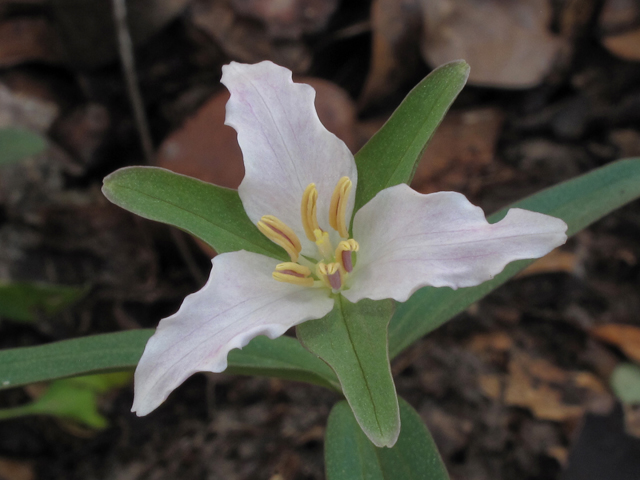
(409, 240)
(284, 145)
(239, 302)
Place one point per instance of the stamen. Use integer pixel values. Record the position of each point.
(294, 273)
(308, 210)
(330, 274)
(338, 207)
(324, 243)
(344, 254)
(279, 233)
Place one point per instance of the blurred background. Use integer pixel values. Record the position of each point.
(518, 387)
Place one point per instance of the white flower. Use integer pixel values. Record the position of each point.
(299, 189)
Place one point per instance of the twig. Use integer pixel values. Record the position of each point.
(125, 50)
(187, 257)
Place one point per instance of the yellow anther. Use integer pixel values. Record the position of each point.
(338, 207)
(290, 272)
(308, 210)
(324, 244)
(330, 274)
(279, 233)
(343, 254)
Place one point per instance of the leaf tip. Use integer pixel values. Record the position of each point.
(462, 66)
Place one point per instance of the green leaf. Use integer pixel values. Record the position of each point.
(24, 302)
(212, 213)
(101, 383)
(283, 357)
(16, 144)
(392, 154)
(72, 399)
(349, 454)
(352, 339)
(579, 202)
(625, 382)
(67, 358)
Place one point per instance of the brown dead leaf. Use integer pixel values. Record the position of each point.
(541, 369)
(541, 387)
(625, 45)
(335, 108)
(625, 337)
(491, 386)
(207, 149)
(492, 348)
(395, 28)
(290, 18)
(556, 261)
(618, 22)
(491, 342)
(507, 44)
(14, 470)
(244, 39)
(27, 39)
(561, 454)
(461, 149)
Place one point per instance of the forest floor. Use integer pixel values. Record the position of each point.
(516, 387)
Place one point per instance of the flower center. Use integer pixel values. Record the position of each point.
(335, 263)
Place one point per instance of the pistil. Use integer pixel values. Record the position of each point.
(323, 242)
(330, 274)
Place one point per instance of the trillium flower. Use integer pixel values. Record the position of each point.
(299, 190)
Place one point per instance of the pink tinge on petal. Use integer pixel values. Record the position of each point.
(439, 240)
(284, 145)
(240, 301)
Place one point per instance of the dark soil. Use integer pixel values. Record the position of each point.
(531, 335)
